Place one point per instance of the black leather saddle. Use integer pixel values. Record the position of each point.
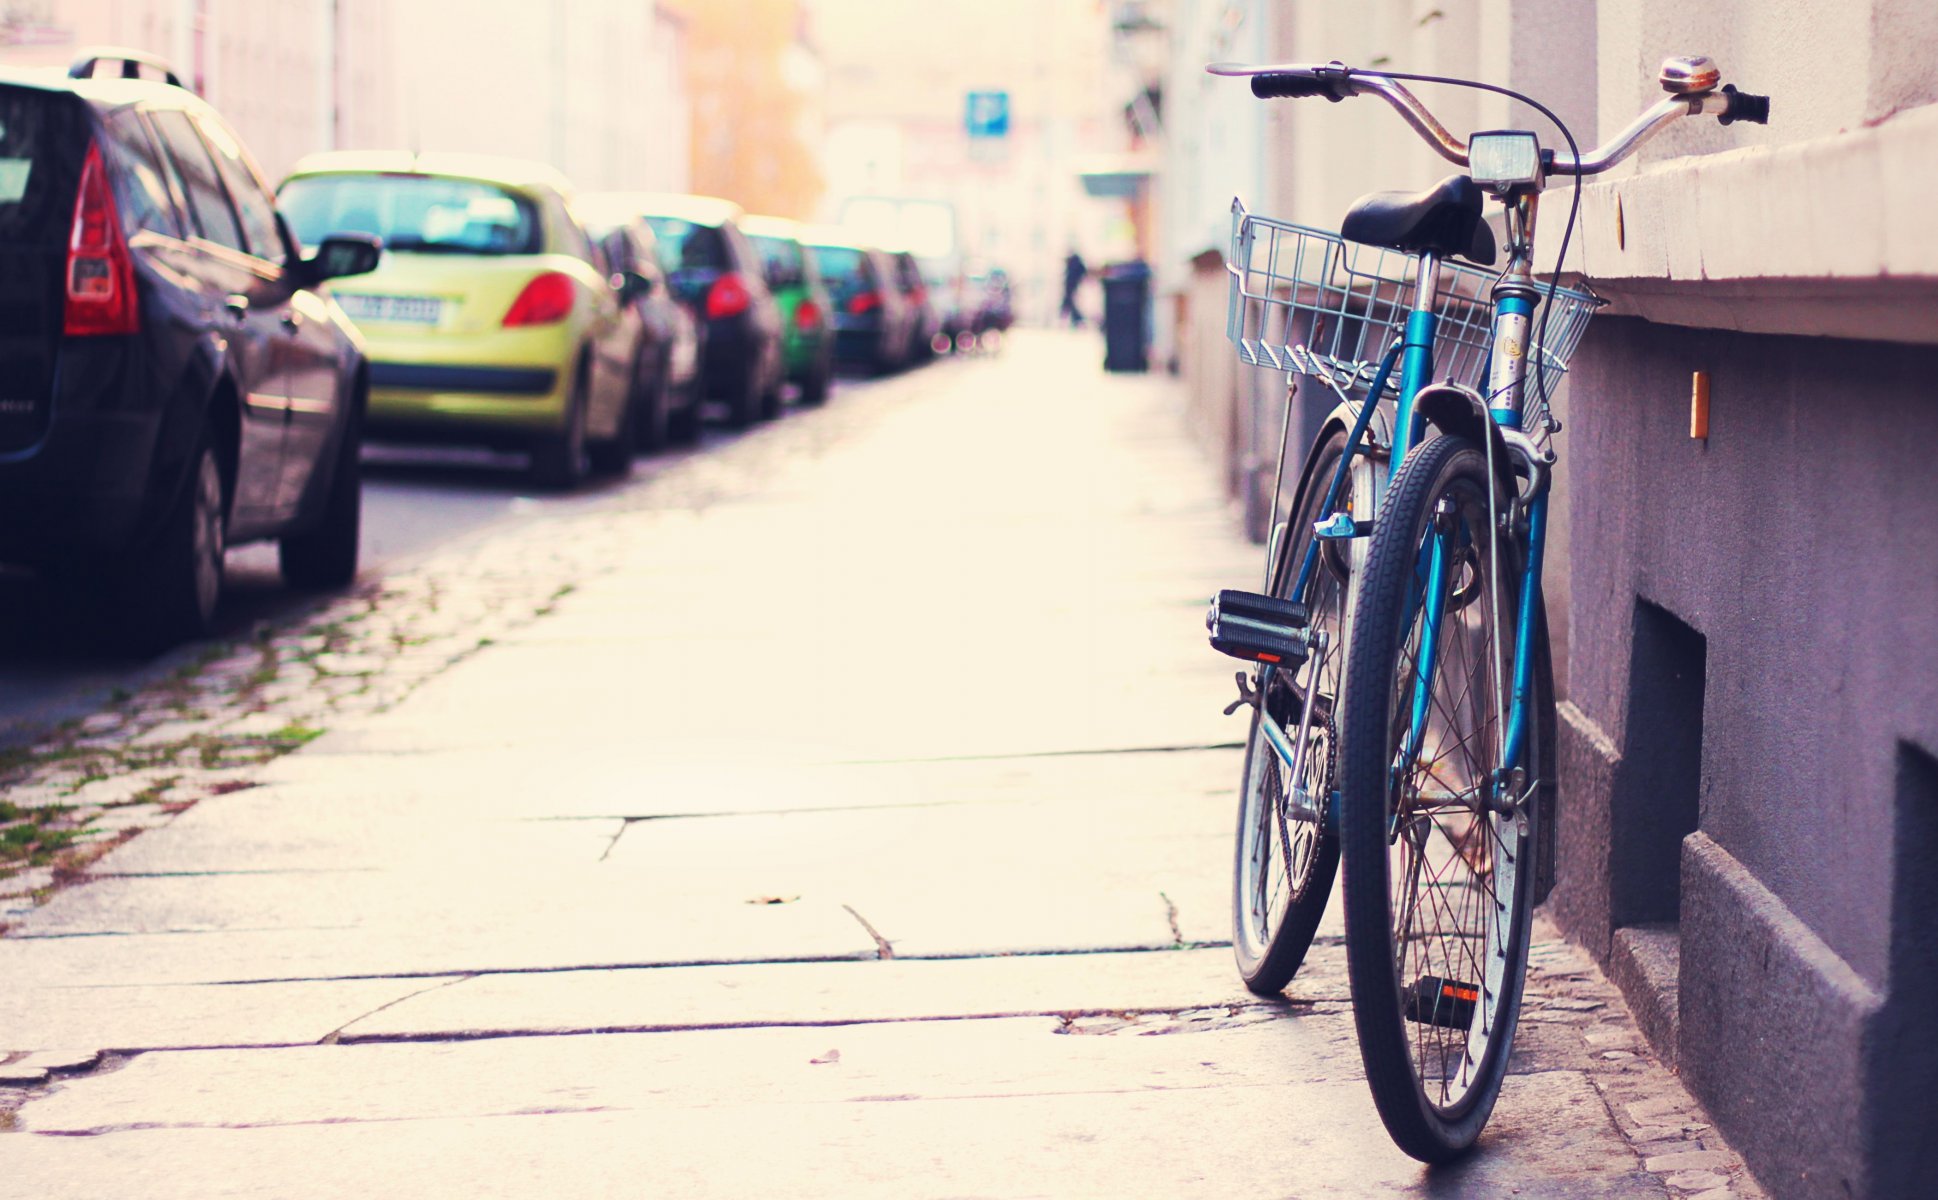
(1445, 219)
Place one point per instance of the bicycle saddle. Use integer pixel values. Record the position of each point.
(1445, 219)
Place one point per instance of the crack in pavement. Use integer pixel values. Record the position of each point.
(1191, 748)
(857, 957)
(336, 1035)
(625, 823)
(1289, 1006)
(883, 949)
(1171, 915)
(764, 812)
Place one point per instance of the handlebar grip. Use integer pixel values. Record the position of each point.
(1744, 107)
(1287, 86)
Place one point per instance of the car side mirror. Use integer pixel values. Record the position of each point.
(343, 254)
(631, 285)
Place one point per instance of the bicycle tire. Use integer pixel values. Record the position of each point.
(1270, 940)
(1431, 925)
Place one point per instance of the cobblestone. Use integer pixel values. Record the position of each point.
(1661, 1121)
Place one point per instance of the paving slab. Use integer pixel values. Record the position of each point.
(836, 993)
(930, 1109)
(541, 938)
(128, 1018)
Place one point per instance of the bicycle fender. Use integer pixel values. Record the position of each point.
(1379, 437)
(1457, 409)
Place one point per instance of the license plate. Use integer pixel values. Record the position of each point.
(402, 310)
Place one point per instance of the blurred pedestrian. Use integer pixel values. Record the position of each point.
(1074, 273)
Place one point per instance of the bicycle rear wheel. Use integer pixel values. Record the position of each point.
(1287, 848)
(1439, 884)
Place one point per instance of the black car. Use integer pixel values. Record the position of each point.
(667, 380)
(717, 273)
(173, 381)
(875, 326)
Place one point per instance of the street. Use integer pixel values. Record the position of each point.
(841, 810)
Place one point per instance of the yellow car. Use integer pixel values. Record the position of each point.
(491, 319)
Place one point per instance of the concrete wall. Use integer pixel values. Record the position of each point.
(1800, 542)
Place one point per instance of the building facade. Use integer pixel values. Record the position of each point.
(292, 77)
(596, 87)
(1749, 723)
(899, 79)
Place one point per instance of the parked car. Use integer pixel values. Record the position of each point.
(914, 287)
(873, 322)
(667, 363)
(177, 380)
(807, 344)
(488, 321)
(716, 272)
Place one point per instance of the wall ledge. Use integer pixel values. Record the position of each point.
(1830, 237)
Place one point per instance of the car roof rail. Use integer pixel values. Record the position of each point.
(132, 61)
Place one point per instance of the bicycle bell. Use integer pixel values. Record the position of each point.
(1689, 75)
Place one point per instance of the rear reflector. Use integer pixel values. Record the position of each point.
(100, 274)
(546, 300)
(728, 297)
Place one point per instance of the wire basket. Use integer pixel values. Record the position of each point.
(1309, 301)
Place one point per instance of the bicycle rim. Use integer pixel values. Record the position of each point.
(1287, 849)
(1438, 887)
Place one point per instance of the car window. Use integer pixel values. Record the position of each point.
(426, 214)
(40, 156)
(780, 258)
(576, 241)
(140, 188)
(682, 244)
(208, 201)
(252, 201)
(840, 263)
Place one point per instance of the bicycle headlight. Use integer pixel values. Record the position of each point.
(1502, 160)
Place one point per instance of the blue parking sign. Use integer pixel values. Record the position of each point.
(987, 114)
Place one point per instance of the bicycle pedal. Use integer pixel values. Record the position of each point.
(1257, 628)
(1341, 526)
(1436, 1001)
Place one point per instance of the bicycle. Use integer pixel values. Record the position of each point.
(1402, 693)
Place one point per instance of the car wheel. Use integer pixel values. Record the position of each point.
(653, 400)
(559, 461)
(170, 591)
(744, 400)
(615, 457)
(814, 389)
(683, 423)
(326, 556)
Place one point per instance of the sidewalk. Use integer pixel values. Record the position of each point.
(856, 821)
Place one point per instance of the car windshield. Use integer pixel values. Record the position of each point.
(39, 140)
(840, 262)
(683, 244)
(779, 257)
(430, 214)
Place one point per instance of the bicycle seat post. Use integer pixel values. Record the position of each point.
(1416, 360)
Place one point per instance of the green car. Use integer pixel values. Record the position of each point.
(808, 331)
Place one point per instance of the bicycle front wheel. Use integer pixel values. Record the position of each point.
(1439, 880)
(1287, 848)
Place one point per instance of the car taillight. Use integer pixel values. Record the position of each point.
(807, 315)
(728, 297)
(100, 273)
(919, 295)
(546, 300)
(863, 302)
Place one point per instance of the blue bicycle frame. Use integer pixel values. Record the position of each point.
(1413, 353)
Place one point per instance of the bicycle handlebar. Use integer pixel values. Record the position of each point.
(1336, 81)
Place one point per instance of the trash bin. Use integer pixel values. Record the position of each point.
(1127, 316)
